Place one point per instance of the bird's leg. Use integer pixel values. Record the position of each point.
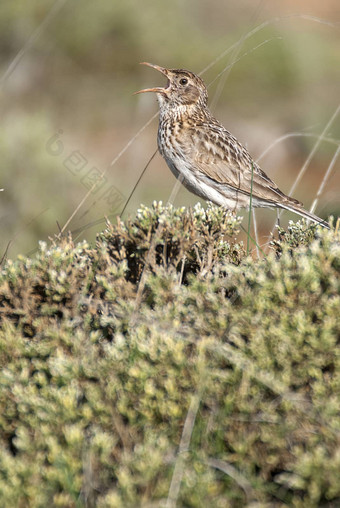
(278, 217)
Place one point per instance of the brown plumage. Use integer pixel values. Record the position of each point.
(207, 158)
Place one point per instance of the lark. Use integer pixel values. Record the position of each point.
(205, 156)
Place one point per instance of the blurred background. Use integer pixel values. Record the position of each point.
(68, 70)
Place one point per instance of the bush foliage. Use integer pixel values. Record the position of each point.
(163, 365)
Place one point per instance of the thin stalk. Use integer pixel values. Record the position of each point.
(183, 450)
(250, 206)
(136, 184)
(253, 240)
(324, 180)
(56, 7)
(256, 234)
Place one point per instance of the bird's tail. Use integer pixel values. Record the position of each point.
(307, 215)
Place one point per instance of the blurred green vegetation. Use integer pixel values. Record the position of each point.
(79, 73)
(163, 353)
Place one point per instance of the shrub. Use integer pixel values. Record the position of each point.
(163, 363)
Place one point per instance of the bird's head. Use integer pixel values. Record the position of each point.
(183, 88)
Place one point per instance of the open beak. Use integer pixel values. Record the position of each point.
(157, 89)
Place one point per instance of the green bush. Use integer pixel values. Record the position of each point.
(163, 364)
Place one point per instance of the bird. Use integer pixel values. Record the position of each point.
(208, 160)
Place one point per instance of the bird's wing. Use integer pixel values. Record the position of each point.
(216, 154)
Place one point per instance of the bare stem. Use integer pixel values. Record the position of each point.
(324, 180)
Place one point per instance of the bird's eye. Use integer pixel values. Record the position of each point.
(183, 81)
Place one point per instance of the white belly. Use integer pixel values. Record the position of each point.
(199, 187)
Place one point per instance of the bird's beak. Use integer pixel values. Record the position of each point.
(157, 89)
